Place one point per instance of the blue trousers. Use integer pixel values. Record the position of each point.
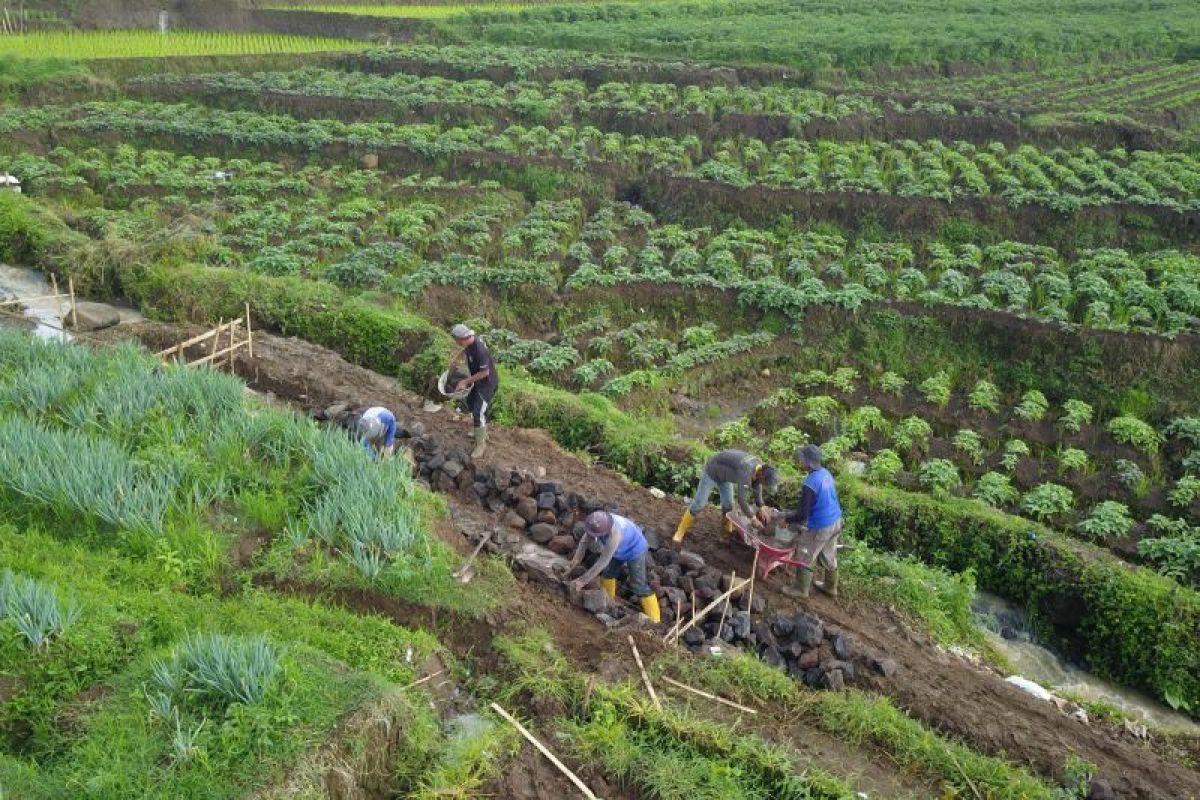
(704, 492)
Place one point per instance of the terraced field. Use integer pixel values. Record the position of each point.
(971, 278)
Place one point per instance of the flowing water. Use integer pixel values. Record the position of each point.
(44, 317)
(1008, 629)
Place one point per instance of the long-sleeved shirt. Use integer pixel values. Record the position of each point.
(387, 419)
(819, 505)
(624, 542)
(737, 467)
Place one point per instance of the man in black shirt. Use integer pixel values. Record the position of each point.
(483, 381)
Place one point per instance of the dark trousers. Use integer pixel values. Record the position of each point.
(480, 403)
(635, 573)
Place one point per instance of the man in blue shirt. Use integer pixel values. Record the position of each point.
(820, 519)
(623, 550)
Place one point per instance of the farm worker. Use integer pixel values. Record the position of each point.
(723, 472)
(377, 427)
(483, 382)
(820, 518)
(624, 550)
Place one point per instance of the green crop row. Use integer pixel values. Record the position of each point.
(826, 34)
(556, 102)
(1063, 180)
(84, 45)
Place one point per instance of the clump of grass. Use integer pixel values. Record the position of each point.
(938, 599)
(34, 608)
(218, 670)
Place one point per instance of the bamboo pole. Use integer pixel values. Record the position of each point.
(707, 695)
(580, 785)
(74, 314)
(645, 678)
(725, 610)
(423, 680)
(218, 354)
(724, 596)
(249, 334)
(197, 339)
(35, 298)
(753, 575)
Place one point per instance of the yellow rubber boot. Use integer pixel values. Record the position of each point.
(682, 529)
(609, 585)
(727, 528)
(650, 607)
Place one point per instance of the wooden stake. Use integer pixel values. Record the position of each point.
(678, 616)
(186, 343)
(249, 334)
(423, 680)
(967, 778)
(753, 575)
(74, 315)
(705, 694)
(709, 607)
(725, 610)
(22, 300)
(645, 678)
(215, 355)
(580, 785)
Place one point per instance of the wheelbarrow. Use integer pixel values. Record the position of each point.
(770, 552)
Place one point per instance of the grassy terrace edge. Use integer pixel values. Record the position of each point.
(1124, 623)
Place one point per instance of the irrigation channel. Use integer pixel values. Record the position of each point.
(45, 316)
(1008, 630)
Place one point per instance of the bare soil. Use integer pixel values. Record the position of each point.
(947, 692)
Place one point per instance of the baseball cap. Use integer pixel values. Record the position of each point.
(599, 522)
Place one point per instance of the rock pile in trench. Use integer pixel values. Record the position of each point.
(539, 524)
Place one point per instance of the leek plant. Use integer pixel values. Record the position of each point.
(33, 607)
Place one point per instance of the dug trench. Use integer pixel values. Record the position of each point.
(946, 691)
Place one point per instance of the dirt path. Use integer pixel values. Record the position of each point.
(943, 690)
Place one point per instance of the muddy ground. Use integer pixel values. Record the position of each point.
(947, 692)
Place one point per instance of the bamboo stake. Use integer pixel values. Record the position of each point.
(423, 680)
(218, 354)
(967, 778)
(463, 569)
(711, 606)
(53, 279)
(753, 575)
(678, 616)
(249, 334)
(35, 298)
(645, 678)
(709, 696)
(197, 339)
(580, 785)
(74, 315)
(725, 610)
